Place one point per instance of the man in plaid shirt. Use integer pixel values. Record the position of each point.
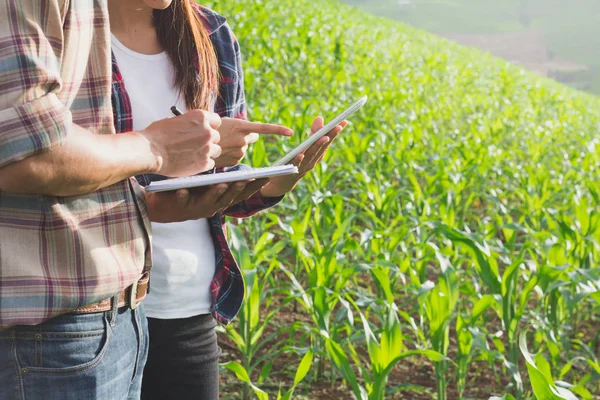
(74, 231)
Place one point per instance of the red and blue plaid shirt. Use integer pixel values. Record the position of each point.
(228, 284)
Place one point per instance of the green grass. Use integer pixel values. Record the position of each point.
(460, 208)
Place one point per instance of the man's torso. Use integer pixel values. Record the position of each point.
(60, 253)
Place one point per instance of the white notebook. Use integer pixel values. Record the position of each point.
(222, 177)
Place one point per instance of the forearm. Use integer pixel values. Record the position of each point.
(84, 163)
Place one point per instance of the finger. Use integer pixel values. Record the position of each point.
(318, 152)
(182, 196)
(258, 183)
(317, 124)
(297, 161)
(309, 165)
(214, 151)
(213, 119)
(199, 190)
(310, 153)
(255, 185)
(210, 164)
(334, 132)
(266, 129)
(252, 138)
(205, 201)
(250, 189)
(221, 189)
(233, 190)
(208, 195)
(229, 196)
(215, 136)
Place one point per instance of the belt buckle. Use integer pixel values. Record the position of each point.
(133, 304)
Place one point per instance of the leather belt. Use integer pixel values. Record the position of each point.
(131, 297)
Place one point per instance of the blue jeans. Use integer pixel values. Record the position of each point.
(97, 356)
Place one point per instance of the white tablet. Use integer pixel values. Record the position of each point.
(321, 132)
(222, 177)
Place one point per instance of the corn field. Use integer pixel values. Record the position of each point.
(448, 245)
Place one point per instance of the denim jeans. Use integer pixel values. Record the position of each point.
(97, 356)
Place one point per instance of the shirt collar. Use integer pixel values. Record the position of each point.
(211, 20)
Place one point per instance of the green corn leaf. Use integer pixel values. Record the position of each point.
(341, 362)
(595, 365)
(239, 247)
(322, 309)
(432, 355)
(543, 388)
(304, 367)
(582, 211)
(383, 278)
(301, 373)
(243, 376)
(582, 392)
(486, 267)
(565, 370)
(262, 243)
(236, 337)
(485, 302)
(543, 366)
(464, 336)
(265, 371)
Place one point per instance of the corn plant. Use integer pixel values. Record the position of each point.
(470, 183)
(543, 385)
(248, 333)
(385, 347)
(439, 302)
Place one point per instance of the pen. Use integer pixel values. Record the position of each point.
(176, 112)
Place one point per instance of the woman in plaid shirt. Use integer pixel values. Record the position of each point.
(174, 52)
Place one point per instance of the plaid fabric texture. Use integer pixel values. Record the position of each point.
(60, 253)
(228, 284)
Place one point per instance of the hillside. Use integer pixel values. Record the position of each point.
(462, 175)
(569, 29)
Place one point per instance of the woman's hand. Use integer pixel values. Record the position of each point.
(196, 203)
(305, 162)
(237, 134)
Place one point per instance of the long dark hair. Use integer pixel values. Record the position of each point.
(185, 39)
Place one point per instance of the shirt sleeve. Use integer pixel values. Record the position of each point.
(32, 117)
